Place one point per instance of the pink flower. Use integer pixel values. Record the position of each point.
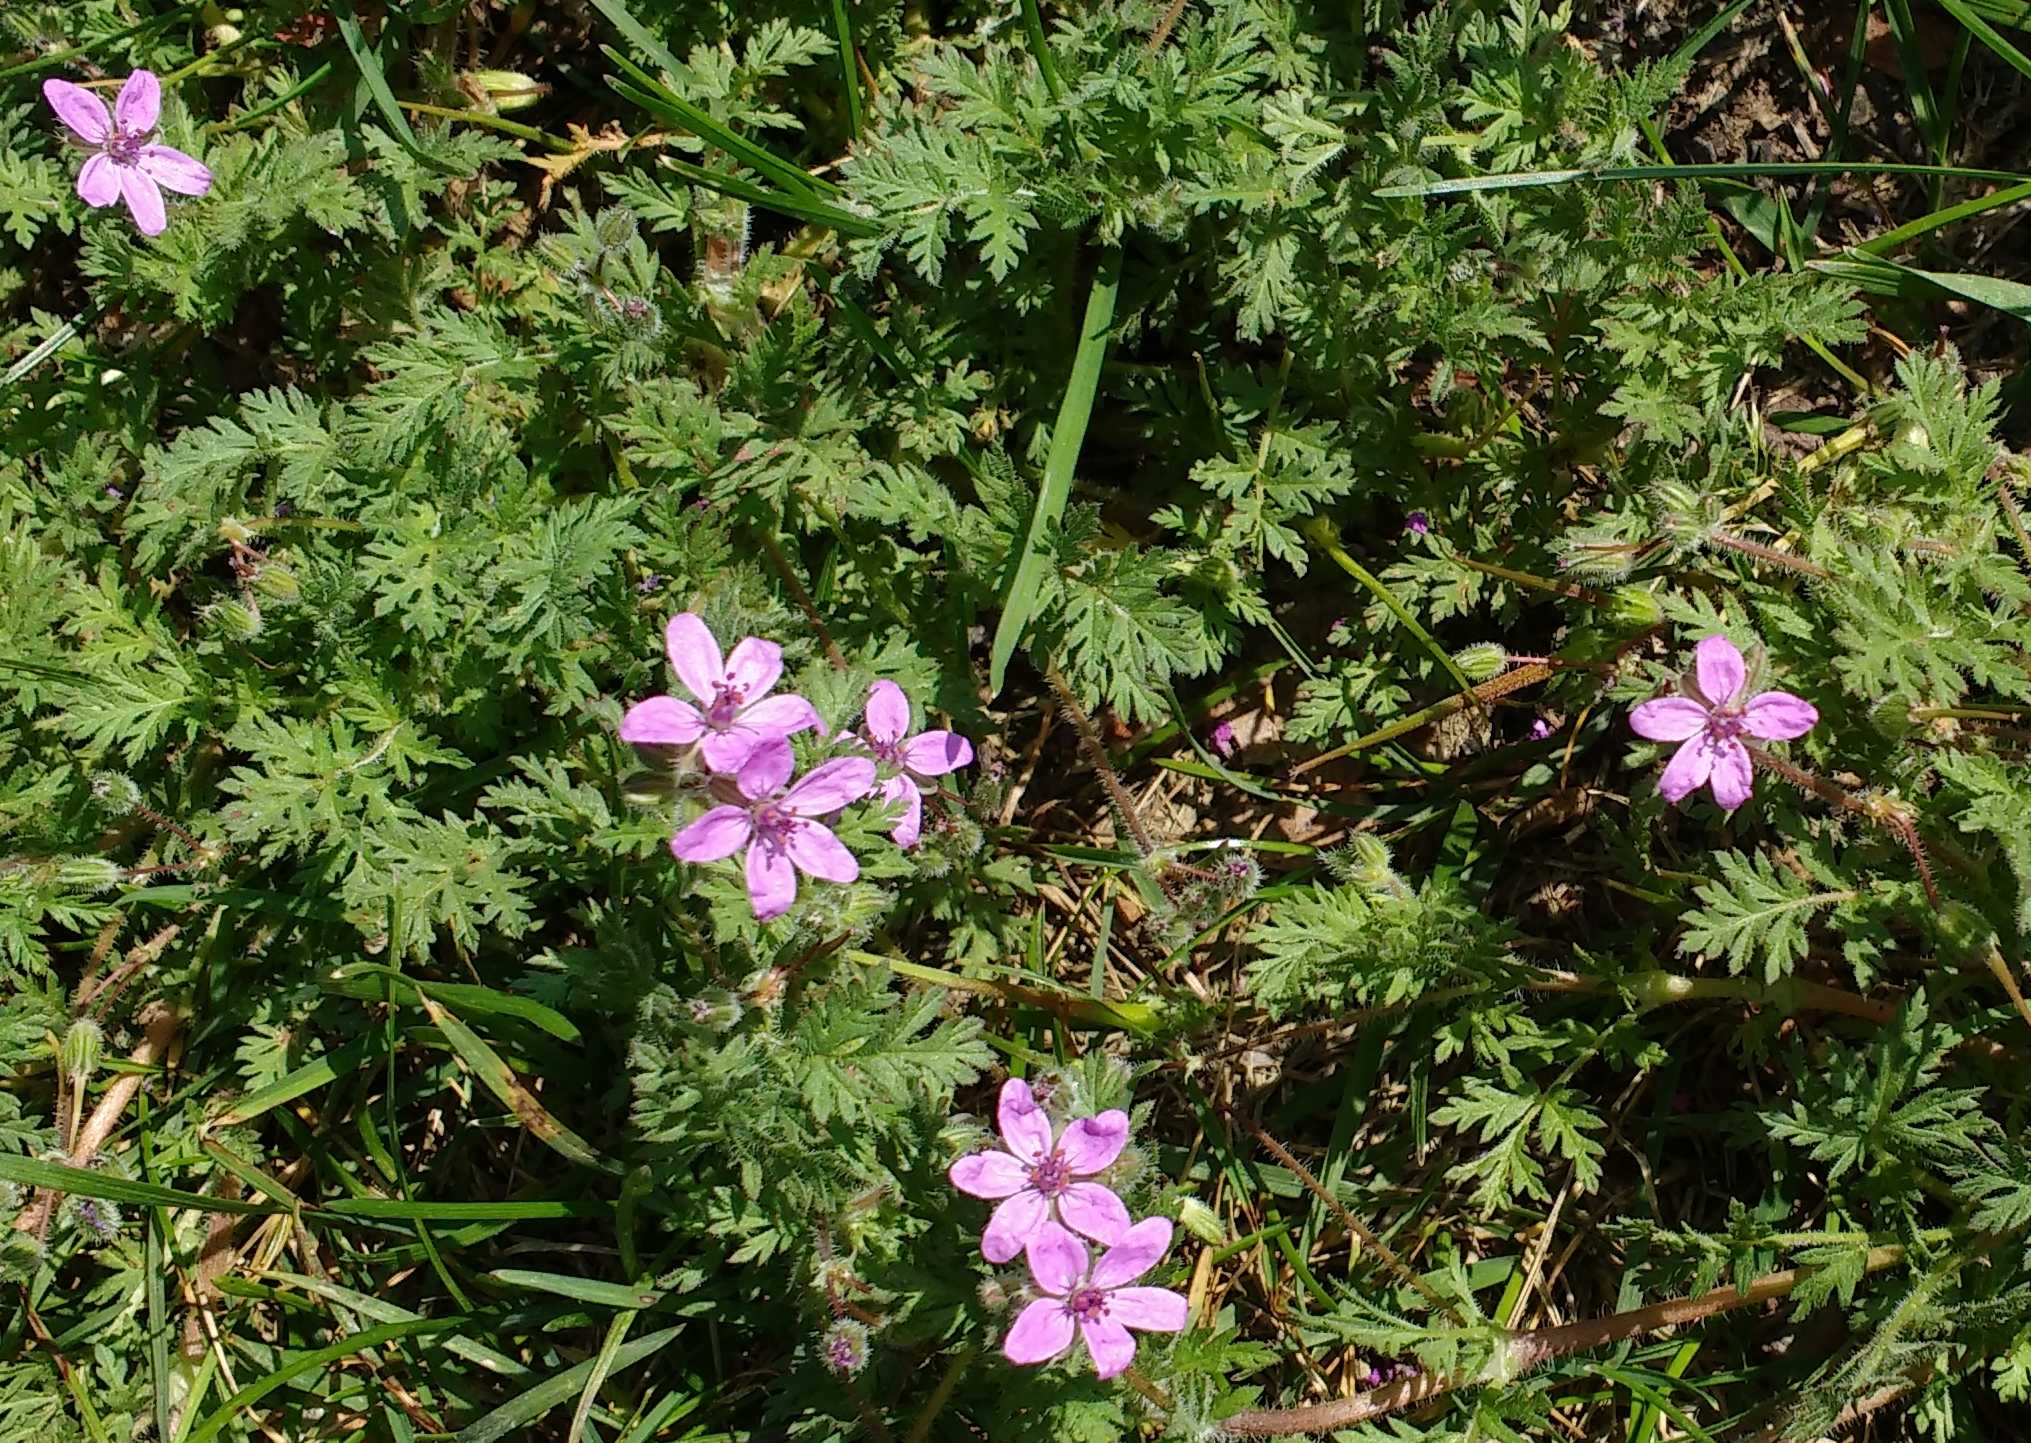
(916, 760)
(779, 828)
(124, 165)
(1040, 1180)
(736, 712)
(1710, 723)
(1223, 740)
(1094, 1299)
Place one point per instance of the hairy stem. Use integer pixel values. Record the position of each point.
(1768, 553)
(1524, 1351)
(1360, 1230)
(1096, 755)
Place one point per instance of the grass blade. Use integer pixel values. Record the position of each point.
(1922, 225)
(466, 996)
(372, 75)
(522, 1410)
(849, 69)
(814, 212)
(1983, 31)
(616, 1334)
(1068, 434)
(1883, 276)
(1523, 179)
(673, 109)
(308, 1078)
(579, 1290)
(350, 1347)
(500, 1080)
(389, 1209)
(83, 1182)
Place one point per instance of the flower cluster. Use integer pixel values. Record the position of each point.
(1710, 717)
(124, 164)
(736, 727)
(1045, 1183)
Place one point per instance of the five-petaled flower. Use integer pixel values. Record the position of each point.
(1710, 719)
(1043, 1181)
(1093, 1298)
(735, 712)
(916, 759)
(779, 828)
(124, 165)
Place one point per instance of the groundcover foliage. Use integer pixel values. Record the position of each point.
(901, 722)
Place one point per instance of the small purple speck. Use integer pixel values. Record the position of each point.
(651, 581)
(115, 492)
(1540, 729)
(284, 509)
(1223, 740)
(1417, 523)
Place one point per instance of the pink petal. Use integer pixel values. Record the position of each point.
(662, 721)
(888, 713)
(754, 665)
(932, 754)
(780, 716)
(730, 750)
(827, 788)
(1093, 1143)
(766, 767)
(1041, 1333)
(1024, 1129)
(1141, 1248)
(1151, 1310)
(173, 170)
(140, 104)
(910, 825)
(1109, 1343)
(1668, 719)
(1057, 1259)
(719, 833)
(1687, 771)
(1094, 1211)
(79, 109)
(772, 882)
(819, 854)
(1013, 1224)
(144, 200)
(1718, 668)
(1733, 778)
(992, 1174)
(1778, 716)
(99, 181)
(694, 655)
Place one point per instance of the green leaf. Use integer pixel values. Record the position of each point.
(1068, 434)
(524, 1409)
(499, 1079)
(304, 1363)
(82, 1182)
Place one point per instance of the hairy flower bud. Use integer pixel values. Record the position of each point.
(1634, 607)
(716, 1008)
(78, 1055)
(844, 1347)
(274, 580)
(233, 619)
(1483, 661)
(1965, 937)
(116, 792)
(87, 874)
(505, 90)
(1201, 1222)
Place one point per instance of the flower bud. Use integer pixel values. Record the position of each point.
(844, 1347)
(78, 1055)
(233, 619)
(1483, 661)
(716, 1008)
(1634, 607)
(116, 792)
(1201, 1222)
(87, 874)
(1965, 936)
(274, 580)
(505, 89)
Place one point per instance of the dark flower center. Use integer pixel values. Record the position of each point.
(1725, 724)
(773, 825)
(1051, 1176)
(726, 705)
(124, 149)
(1087, 1304)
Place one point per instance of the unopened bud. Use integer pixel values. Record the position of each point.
(78, 1054)
(1483, 661)
(716, 1008)
(1965, 936)
(116, 792)
(274, 580)
(1634, 607)
(87, 874)
(844, 1347)
(233, 619)
(1201, 1222)
(506, 89)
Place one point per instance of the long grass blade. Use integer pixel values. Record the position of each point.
(1068, 434)
(1524, 179)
